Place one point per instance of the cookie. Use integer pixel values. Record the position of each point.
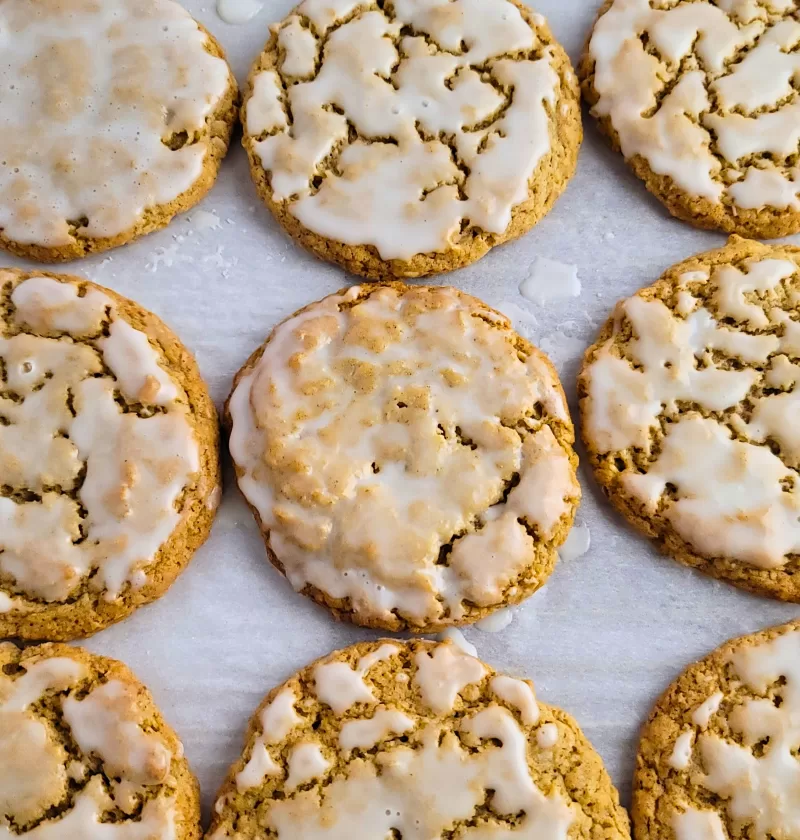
(114, 116)
(109, 456)
(84, 752)
(407, 455)
(689, 401)
(700, 99)
(718, 754)
(406, 138)
(415, 740)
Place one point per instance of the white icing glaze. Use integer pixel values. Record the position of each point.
(340, 686)
(259, 766)
(682, 751)
(136, 466)
(45, 305)
(55, 674)
(760, 789)
(547, 736)
(306, 762)
(349, 438)
(135, 364)
(108, 723)
(365, 734)
(519, 694)
(756, 786)
(443, 674)
(373, 799)
(694, 824)
(550, 280)
(496, 622)
(77, 770)
(732, 501)
(734, 498)
(403, 198)
(749, 104)
(278, 719)
(576, 544)
(32, 763)
(91, 91)
(702, 715)
(454, 635)
(82, 822)
(238, 11)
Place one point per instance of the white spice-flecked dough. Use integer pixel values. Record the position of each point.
(373, 773)
(730, 494)
(96, 446)
(108, 726)
(398, 186)
(372, 432)
(753, 771)
(726, 128)
(92, 90)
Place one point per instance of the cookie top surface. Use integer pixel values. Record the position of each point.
(704, 93)
(83, 747)
(407, 452)
(718, 755)
(102, 455)
(418, 740)
(689, 403)
(103, 114)
(409, 126)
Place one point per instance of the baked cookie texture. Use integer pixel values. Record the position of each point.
(408, 137)
(690, 400)
(84, 752)
(700, 99)
(407, 455)
(718, 754)
(109, 456)
(114, 116)
(413, 740)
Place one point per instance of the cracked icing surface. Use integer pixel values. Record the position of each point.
(114, 115)
(690, 400)
(107, 456)
(738, 775)
(702, 98)
(411, 136)
(408, 456)
(85, 755)
(371, 768)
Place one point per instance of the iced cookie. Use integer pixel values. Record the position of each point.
(109, 456)
(701, 99)
(415, 740)
(407, 455)
(718, 755)
(690, 401)
(408, 138)
(114, 116)
(85, 754)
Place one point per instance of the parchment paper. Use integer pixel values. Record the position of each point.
(608, 632)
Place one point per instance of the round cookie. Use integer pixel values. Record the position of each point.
(700, 99)
(84, 752)
(689, 401)
(407, 455)
(416, 740)
(406, 138)
(115, 115)
(718, 754)
(109, 456)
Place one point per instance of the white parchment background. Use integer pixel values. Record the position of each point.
(607, 633)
